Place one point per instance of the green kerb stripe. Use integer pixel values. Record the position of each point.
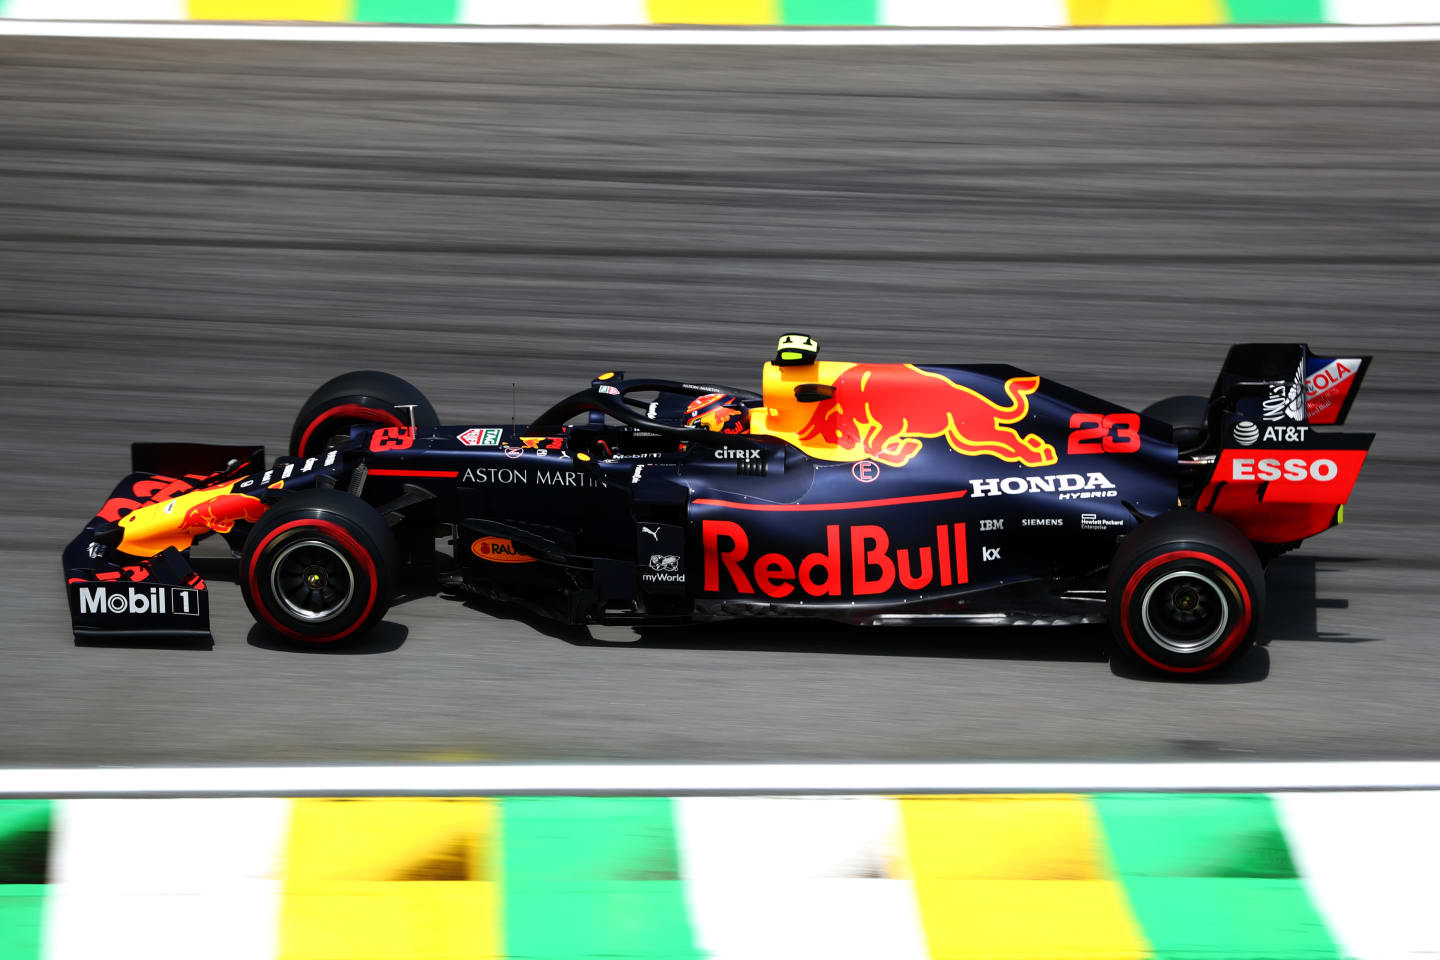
(1276, 11)
(405, 11)
(1212, 876)
(593, 877)
(856, 13)
(24, 856)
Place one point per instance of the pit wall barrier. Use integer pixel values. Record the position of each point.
(1053, 876)
(894, 13)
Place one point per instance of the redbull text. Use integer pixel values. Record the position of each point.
(857, 561)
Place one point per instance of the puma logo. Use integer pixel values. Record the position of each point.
(654, 533)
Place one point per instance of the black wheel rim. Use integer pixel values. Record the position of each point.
(312, 581)
(1185, 611)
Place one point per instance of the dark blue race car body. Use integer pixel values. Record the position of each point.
(864, 493)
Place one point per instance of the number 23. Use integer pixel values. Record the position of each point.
(1107, 433)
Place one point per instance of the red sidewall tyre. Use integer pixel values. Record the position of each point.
(359, 398)
(1205, 551)
(338, 420)
(335, 535)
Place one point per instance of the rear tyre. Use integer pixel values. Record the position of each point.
(363, 398)
(1186, 594)
(1186, 415)
(319, 568)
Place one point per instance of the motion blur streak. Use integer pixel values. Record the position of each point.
(164, 880)
(609, 866)
(789, 877)
(1388, 833)
(1166, 847)
(987, 869)
(388, 878)
(720, 36)
(193, 236)
(1036, 877)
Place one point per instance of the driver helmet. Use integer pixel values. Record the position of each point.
(718, 412)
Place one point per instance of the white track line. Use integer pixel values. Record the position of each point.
(500, 779)
(725, 36)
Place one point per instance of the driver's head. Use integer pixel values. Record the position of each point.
(718, 412)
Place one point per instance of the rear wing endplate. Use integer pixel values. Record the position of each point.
(1286, 382)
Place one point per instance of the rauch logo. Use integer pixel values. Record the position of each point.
(499, 550)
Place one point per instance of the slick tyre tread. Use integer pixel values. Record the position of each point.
(369, 397)
(319, 568)
(1179, 548)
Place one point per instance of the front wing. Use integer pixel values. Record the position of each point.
(114, 594)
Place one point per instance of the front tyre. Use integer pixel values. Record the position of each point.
(363, 398)
(1186, 594)
(319, 568)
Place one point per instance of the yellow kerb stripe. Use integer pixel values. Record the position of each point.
(342, 10)
(1012, 877)
(1134, 13)
(714, 11)
(391, 878)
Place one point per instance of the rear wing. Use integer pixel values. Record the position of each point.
(1331, 384)
(1274, 476)
(1286, 383)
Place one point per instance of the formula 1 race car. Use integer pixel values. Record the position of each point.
(868, 493)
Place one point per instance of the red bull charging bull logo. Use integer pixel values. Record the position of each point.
(176, 522)
(888, 410)
(220, 513)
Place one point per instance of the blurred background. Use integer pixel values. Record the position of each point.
(193, 235)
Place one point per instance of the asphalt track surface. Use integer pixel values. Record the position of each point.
(194, 235)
